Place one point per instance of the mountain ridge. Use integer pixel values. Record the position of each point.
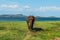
(21, 15)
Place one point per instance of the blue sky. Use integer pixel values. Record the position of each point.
(44, 8)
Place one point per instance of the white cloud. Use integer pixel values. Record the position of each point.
(49, 8)
(17, 7)
(26, 7)
(40, 9)
(9, 6)
(14, 7)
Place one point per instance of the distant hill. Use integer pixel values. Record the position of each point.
(22, 17)
(17, 15)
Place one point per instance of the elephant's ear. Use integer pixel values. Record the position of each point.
(34, 18)
(27, 19)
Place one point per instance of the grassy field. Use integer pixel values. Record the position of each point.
(18, 31)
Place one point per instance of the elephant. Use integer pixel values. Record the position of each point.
(30, 21)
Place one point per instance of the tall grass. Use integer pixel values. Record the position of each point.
(18, 30)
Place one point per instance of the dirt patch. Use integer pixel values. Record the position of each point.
(27, 36)
(56, 38)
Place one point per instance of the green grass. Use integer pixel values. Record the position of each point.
(18, 31)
